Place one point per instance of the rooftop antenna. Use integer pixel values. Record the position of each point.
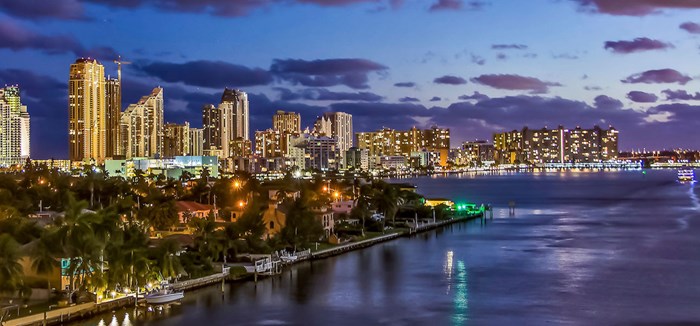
(119, 63)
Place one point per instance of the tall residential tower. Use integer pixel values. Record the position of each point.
(14, 127)
(87, 111)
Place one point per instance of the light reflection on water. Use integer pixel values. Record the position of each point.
(583, 248)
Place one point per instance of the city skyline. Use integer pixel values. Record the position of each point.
(476, 67)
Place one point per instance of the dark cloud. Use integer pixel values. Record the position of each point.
(509, 47)
(320, 94)
(478, 60)
(568, 56)
(680, 95)
(374, 116)
(637, 45)
(405, 84)
(592, 88)
(285, 94)
(658, 77)
(515, 82)
(457, 5)
(353, 73)
(450, 80)
(214, 74)
(607, 103)
(16, 38)
(501, 56)
(691, 27)
(74, 9)
(41, 9)
(408, 99)
(635, 7)
(436, 99)
(642, 97)
(476, 96)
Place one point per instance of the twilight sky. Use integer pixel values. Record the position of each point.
(476, 67)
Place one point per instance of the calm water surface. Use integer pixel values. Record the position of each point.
(584, 248)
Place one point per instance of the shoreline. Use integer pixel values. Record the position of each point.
(80, 312)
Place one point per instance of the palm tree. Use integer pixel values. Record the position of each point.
(167, 260)
(10, 268)
(45, 255)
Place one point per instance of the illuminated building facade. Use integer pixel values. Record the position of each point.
(389, 142)
(87, 111)
(176, 140)
(336, 125)
(113, 107)
(196, 142)
(14, 127)
(142, 126)
(541, 146)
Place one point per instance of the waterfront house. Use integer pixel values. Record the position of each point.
(191, 209)
(342, 207)
(324, 215)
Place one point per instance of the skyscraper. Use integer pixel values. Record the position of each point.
(196, 142)
(287, 122)
(14, 127)
(87, 111)
(226, 123)
(142, 126)
(337, 125)
(176, 140)
(113, 106)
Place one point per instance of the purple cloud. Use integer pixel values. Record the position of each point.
(436, 99)
(660, 76)
(214, 74)
(642, 97)
(501, 56)
(478, 60)
(637, 45)
(450, 80)
(17, 38)
(634, 7)
(408, 99)
(320, 94)
(405, 84)
(509, 47)
(680, 95)
(353, 73)
(515, 82)
(690, 27)
(38, 9)
(476, 96)
(457, 5)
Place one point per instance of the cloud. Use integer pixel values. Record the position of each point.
(408, 99)
(16, 38)
(353, 73)
(680, 95)
(637, 45)
(592, 88)
(478, 60)
(33, 9)
(405, 84)
(634, 7)
(475, 96)
(509, 47)
(642, 97)
(320, 94)
(568, 56)
(658, 77)
(74, 9)
(285, 94)
(501, 56)
(214, 74)
(450, 80)
(515, 82)
(436, 99)
(690, 27)
(442, 5)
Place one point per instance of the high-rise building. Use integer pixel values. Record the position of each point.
(337, 125)
(176, 140)
(142, 126)
(287, 122)
(541, 146)
(196, 142)
(113, 106)
(225, 123)
(211, 128)
(87, 111)
(321, 153)
(389, 142)
(357, 159)
(268, 143)
(14, 127)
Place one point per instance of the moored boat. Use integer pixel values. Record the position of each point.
(686, 175)
(164, 296)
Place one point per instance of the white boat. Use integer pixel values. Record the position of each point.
(164, 296)
(287, 257)
(686, 175)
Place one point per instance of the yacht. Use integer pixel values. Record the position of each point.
(686, 175)
(162, 296)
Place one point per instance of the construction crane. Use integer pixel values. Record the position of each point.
(119, 63)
